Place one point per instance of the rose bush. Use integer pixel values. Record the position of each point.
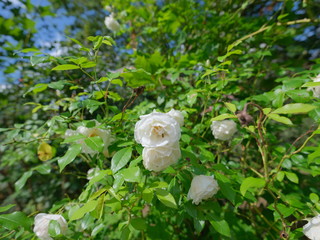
(244, 113)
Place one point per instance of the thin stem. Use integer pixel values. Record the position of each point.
(295, 152)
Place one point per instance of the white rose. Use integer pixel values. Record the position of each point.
(312, 228)
(41, 225)
(157, 130)
(105, 135)
(202, 188)
(177, 115)
(111, 23)
(159, 158)
(223, 130)
(316, 89)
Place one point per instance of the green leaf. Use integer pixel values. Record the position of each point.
(59, 84)
(159, 185)
(4, 129)
(95, 143)
(266, 111)
(100, 175)
(54, 228)
(37, 88)
(22, 181)
(91, 105)
(97, 229)
(284, 210)
(74, 138)
(251, 182)
(125, 233)
(314, 155)
(71, 154)
(226, 187)
(139, 224)
(137, 77)
(87, 207)
(65, 67)
(222, 58)
(38, 59)
(314, 197)
(6, 208)
(221, 226)
(76, 41)
(88, 65)
(311, 84)
(120, 159)
(292, 177)
(117, 82)
(43, 169)
(192, 98)
(280, 176)
(231, 107)
(294, 108)
(97, 42)
(15, 220)
(166, 198)
(300, 96)
(198, 225)
(223, 116)
(27, 50)
(281, 119)
(98, 211)
(147, 195)
(132, 174)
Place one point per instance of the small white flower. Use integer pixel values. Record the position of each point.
(202, 188)
(111, 23)
(159, 158)
(223, 130)
(41, 225)
(105, 135)
(316, 89)
(157, 130)
(108, 8)
(177, 115)
(312, 228)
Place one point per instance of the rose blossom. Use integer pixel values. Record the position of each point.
(41, 225)
(316, 89)
(111, 23)
(202, 188)
(312, 228)
(177, 115)
(159, 158)
(157, 130)
(223, 130)
(105, 135)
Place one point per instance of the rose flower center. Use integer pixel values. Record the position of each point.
(158, 130)
(93, 134)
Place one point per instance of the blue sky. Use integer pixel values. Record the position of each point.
(50, 31)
